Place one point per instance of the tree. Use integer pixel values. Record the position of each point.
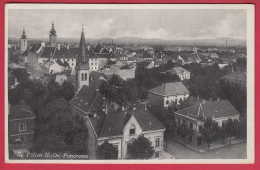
(21, 75)
(116, 90)
(231, 128)
(78, 136)
(107, 151)
(53, 124)
(67, 90)
(209, 131)
(166, 116)
(140, 148)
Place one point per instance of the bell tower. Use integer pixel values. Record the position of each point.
(52, 36)
(23, 42)
(82, 68)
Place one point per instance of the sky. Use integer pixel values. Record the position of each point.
(168, 24)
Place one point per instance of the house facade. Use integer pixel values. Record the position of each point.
(182, 73)
(168, 93)
(21, 121)
(137, 122)
(130, 123)
(194, 116)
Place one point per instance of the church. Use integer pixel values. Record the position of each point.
(59, 57)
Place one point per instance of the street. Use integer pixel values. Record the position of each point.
(237, 151)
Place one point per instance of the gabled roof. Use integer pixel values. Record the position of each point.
(114, 124)
(115, 121)
(146, 120)
(170, 89)
(209, 109)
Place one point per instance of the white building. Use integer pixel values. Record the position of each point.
(168, 93)
(129, 125)
(182, 73)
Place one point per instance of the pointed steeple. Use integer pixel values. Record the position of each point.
(52, 31)
(23, 34)
(82, 48)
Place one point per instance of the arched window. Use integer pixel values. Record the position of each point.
(86, 76)
(82, 76)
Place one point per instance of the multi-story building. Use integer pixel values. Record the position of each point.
(130, 123)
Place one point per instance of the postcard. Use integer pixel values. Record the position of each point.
(129, 83)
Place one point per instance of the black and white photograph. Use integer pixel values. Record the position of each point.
(156, 83)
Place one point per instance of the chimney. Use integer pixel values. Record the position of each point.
(68, 46)
(58, 46)
(145, 106)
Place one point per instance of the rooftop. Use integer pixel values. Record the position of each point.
(178, 70)
(170, 89)
(145, 119)
(209, 109)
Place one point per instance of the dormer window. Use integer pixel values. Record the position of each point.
(132, 130)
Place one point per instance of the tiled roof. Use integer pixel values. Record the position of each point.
(178, 70)
(210, 109)
(146, 120)
(170, 89)
(20, 111)
(70, 53)
(115, 121)
(89, 102)
(114, 124)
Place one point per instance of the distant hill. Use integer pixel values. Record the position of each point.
(141, 41)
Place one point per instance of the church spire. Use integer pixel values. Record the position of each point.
(82, 47)
(52, 31)
(52, 36)
(23, 34)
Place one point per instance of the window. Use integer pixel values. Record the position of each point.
(86, 76)
(82, 76)
(167, 102)
(191, 125)
(22, 127)
(157, 142)
(132, 130)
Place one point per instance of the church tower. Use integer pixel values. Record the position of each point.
(82, 68)
(52, 36)
(23, 42)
